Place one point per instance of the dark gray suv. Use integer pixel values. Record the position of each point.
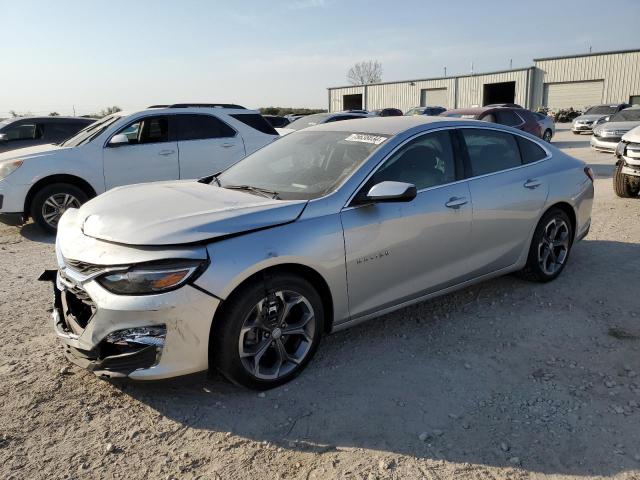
(23, 132)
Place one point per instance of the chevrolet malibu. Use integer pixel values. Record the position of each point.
(244, 271)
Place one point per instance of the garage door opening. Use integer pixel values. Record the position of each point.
(503, 92)
(352, 102)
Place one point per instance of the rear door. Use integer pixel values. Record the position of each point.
(151, 154)
(508, 190)
(206, 144)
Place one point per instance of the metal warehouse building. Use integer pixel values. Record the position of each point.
(555, 82)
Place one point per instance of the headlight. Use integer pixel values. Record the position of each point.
(149, 279)
(8, 167)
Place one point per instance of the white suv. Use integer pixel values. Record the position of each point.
(163, 142)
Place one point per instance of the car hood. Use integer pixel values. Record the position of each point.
(632, 136)
(591, 117)
(175, 213)
(30, 152)
(618, 127)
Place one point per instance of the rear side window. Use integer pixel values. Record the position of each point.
(255, 121)
(200, 127)
(508, 117)
(490, 151)
(530, 151)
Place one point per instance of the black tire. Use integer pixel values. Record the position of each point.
(546, 136)
(533, 270)
(621, 184)
(225, 339)
(576, 133)
(54, 190)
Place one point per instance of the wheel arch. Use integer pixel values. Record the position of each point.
(566, 208)
(52, 179)
(304, 271)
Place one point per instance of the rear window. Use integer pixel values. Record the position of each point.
(199, 127)
(530, 151)
(508, 117)
(255, 121)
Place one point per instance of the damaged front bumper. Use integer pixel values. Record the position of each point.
(146, 337)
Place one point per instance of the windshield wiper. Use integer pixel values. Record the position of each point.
(211, 178)
(250, 188)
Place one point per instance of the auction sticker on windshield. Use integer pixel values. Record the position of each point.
(361, 137)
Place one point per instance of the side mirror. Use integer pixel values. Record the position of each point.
(118, 140)
(392, 192)
(3, 137)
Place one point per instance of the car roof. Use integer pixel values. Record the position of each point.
(46, 117)
(384, 125)
(476, 110)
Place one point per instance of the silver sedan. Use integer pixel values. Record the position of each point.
(244, 271)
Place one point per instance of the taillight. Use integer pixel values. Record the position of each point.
(589, 173)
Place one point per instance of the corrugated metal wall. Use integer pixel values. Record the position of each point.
(405, 95)
(470, 89)
(335, 98)
(619, 71)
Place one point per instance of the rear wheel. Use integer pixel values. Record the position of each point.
(267, 332)
(52, 201)
(624, 186)
(546, 136)
(550, 247)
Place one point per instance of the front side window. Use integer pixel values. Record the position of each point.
(24, 131)
(200, 127)
(490, 151)
(425, 162)
(147, 130)
(303, 165)
(508, 117)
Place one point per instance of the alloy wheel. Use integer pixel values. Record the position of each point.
(547, 136)
(554, 246)
(54, 206)
(277, 335)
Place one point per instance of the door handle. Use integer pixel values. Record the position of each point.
(165, 153)
(532, 183)
(227, 145)
(456, 202)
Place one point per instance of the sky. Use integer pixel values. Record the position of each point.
(86, 55)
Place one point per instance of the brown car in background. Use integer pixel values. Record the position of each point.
(513, 117)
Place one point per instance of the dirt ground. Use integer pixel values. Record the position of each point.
(506, 379)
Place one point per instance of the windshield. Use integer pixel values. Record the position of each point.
(601, 110)
(415, 111)
(303, 165)
(89, 133)
(628, 115)
(308, 121)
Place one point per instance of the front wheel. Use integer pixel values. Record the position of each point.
(267, 331)
(52, 201)
(622, 184)
(546, 136)
(550, 247)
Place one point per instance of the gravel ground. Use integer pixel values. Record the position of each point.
(506, 379)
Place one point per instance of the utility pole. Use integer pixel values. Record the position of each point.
(471, 68)
(74, 110)
(511, 64)
(445, 71)
(590, 48)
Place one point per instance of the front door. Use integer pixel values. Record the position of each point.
(399, 251)
(151, 154)
(207, 145)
